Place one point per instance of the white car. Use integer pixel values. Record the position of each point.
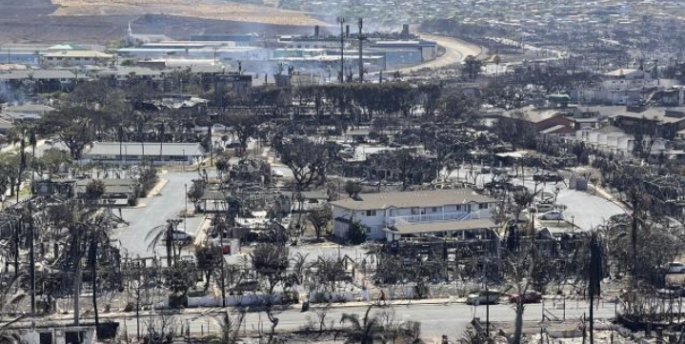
(218, 128)
(551, 215)
(675, 268)
(482, 298)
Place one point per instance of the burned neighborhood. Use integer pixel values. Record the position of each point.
(470, 172)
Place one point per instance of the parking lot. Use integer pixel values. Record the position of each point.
(584, 209)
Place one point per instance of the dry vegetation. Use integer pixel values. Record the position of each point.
(205, 9)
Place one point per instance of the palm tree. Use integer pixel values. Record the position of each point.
(9, 299)
(164, 233)
(19, 136)
(162, 129)
(363, 331)
(141, 120)
(86, 235)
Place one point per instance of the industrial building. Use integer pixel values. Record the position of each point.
(136, 152)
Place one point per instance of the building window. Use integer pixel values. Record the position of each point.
(434, 210)
(370, 213)
(482, 206)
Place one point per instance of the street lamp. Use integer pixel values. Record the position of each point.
(185, 213)
(573, 223)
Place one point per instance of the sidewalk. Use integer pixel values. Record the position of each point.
(157, 189)
(609, 197)
(292, 307)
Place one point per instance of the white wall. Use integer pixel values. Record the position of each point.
(234, 300)
(374, 223)
(58, 334)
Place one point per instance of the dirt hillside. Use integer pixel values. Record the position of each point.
(92, 22)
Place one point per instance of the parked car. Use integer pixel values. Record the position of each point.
(675, 268)
(347, 152)
(218, 128)
(276, 174)
(551, 215)
(516, 188)
(548, 177)
(529, 297)
(483, 297)
(671, 292)
(245, 286)
(542, 208)
(181, 237)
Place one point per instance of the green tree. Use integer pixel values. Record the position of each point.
(245, 126)
(94, 190)
(319, 218)
(53, 159)
(356, 233)
(73, 127)
(208, 261)
(352, 188)
(471, 67)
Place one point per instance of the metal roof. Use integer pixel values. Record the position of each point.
(444, 226)
(39, 74)
(151, 149)
(430, 198)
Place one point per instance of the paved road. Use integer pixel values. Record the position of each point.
(450, 319)
(455, 51)
(154, 213)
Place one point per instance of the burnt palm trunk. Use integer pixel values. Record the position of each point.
(518, 323)
(17, 228)
(34, 143)
(633, 238)
(161, 141)
(32, 270)
(596, 263)
(22, 166)
(76, 256)
(94, 280)
(169, 245)
(121, 143)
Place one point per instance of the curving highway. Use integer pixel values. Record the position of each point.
(455, 51)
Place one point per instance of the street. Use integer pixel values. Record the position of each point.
(451, 319)
(153, 212)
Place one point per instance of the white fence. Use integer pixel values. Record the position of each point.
(233, 300)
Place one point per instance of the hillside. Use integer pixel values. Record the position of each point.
(91, 21)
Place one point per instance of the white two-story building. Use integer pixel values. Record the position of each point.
(395, 215)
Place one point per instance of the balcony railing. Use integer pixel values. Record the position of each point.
(433, 217)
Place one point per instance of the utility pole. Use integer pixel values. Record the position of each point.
(185, 213)
(487, 303)
(32, 261)
(341, 20)
(361, 40)
(223, 273)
